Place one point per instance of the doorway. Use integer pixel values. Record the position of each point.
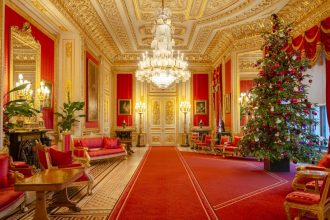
(162, 120)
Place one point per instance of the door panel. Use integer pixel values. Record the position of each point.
(162, 118)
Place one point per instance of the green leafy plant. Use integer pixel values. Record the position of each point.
(17, 107)
(68, 117)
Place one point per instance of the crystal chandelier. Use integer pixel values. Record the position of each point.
(163, 67)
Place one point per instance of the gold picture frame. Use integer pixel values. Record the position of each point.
(124, 106)
(227, 103)
(200, 107)
(92, 91)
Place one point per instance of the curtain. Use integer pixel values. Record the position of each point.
(217, 95)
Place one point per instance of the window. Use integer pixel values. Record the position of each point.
(322, 128)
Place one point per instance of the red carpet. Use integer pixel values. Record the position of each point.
(240, 189)
(161, 188)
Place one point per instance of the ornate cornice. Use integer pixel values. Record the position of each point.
(84, 15)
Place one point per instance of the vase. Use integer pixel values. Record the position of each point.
(282, 165)
(66, 141)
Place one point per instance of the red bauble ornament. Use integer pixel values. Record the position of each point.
(309, 105)
(294, 100)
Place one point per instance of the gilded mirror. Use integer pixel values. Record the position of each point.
(247, 71)
(25, 54)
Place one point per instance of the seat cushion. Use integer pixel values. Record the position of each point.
(20, 164)
(94, 142)
(303, 198)
(4, 162)
(110, 143)
(104, 152)
(8, 197)
(230, 148)
(60, 158)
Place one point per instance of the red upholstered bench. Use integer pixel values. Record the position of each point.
(97, 148)
(9, 199)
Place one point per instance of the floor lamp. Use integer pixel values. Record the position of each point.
(140, 107)
(185, 108)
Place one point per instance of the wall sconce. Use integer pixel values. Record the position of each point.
(184, 108)
(43, 94)
(140, 107)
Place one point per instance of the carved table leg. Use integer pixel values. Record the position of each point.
(40, 212)
(62, 200)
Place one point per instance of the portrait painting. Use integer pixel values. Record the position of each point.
(200, 107)
(92, 92)
(124, 107)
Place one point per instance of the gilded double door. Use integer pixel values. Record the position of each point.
(162, 120)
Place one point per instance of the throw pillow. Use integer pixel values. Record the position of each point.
(110, 143)
(60, 158)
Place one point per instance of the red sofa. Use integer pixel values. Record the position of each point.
(97, 148)
(9, 198)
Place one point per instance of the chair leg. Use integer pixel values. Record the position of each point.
(287, 211)
(320, 215)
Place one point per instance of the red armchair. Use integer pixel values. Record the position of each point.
(309, 202)
(52, 158)
(308, 184)
(205, 143)
(9, 198)
(232, 148)
(223, 142)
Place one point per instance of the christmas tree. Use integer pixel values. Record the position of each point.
(280, 115)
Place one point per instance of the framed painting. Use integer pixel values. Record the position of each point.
(227, 103)
(124, 107)
(200, 107)
(92, 91)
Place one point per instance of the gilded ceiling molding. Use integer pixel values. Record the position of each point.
(84, 15)
(114, 20)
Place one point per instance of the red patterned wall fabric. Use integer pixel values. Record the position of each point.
(200, 94)
(90, 123)
(227, 93)
(124, 99)
(12, 18)
(246, 85)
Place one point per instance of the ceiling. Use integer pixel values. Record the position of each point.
(204, 29)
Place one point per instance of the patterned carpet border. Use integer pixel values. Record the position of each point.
(219, 206)
(202, 197)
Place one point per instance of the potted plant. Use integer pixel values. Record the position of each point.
(19, 108)
(68, 118)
